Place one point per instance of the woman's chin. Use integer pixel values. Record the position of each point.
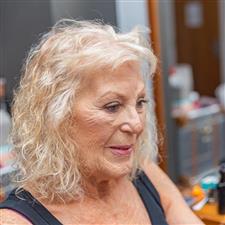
(117, 169)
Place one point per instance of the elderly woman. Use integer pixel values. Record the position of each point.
(83, 136)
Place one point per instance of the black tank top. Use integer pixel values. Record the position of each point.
(25, 204)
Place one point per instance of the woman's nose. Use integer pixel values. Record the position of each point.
(132, 122)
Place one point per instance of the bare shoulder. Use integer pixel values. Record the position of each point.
(162, 183)
(9, 217)
(176, 210)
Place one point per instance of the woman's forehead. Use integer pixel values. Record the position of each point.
(124, 73)
(125, 76)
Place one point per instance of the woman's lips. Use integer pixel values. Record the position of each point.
(122, 150)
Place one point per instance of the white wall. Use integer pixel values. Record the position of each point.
(167, 34)
(131, 13)
(168, 58)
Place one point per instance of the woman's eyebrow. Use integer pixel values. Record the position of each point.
(112, 93)
(142, 92)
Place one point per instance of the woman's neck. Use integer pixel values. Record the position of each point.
(95, 189)
(101, 189)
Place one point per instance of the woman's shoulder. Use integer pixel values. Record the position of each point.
(10, 208)
(160, 181)
(176, 210)
(164, 185)
(10, 217)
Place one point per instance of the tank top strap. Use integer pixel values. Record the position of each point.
(150, 198)
(25, 204)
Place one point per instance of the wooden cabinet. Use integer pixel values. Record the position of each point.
(209, 215)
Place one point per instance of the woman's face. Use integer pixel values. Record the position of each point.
(109, 117)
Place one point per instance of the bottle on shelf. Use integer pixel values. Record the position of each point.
(221, 190)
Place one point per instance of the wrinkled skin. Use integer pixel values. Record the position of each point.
(109, 110)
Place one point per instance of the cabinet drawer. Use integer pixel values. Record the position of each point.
(201, 145)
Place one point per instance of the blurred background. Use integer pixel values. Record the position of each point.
(188, 37)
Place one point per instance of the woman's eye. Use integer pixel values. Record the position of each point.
(112, 107)
(141, 103)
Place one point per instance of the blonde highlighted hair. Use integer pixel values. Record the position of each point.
(43, 104)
